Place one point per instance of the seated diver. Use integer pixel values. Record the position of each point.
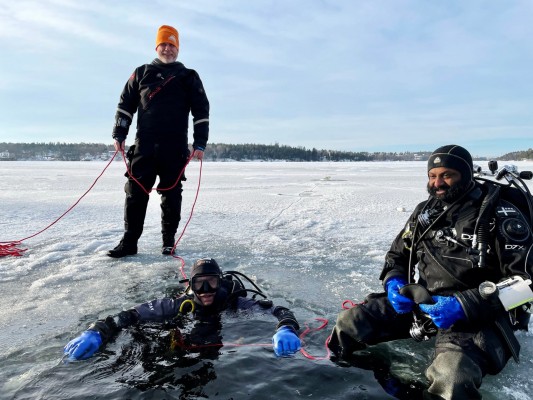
(210, 293)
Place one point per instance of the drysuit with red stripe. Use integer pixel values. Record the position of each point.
(163, 96)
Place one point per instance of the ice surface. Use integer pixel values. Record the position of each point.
(311, 234)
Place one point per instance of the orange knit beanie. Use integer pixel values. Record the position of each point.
(167, 34)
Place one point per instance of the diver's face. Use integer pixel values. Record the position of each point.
(205, 288)
(445, 183)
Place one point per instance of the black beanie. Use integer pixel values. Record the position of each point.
(454, 157)
(205, 266)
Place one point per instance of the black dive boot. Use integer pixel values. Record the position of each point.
(123, 249)
(168, 245)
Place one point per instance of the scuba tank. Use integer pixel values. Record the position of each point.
(518, 194)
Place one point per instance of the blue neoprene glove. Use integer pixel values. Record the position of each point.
(401, 304)
(445, 312)
(84, 346)
(285, 342)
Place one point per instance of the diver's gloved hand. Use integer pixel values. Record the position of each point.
(401, 304)
(445, 312)
(84, 346)
(285, 342)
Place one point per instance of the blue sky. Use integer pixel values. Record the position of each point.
(353, 75)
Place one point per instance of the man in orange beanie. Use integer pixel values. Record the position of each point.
(163, 93)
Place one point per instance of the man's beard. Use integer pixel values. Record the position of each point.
(452, 192)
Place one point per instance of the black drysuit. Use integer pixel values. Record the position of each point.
(447, 266)
(163, 95)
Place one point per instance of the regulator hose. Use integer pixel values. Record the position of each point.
(482, 228)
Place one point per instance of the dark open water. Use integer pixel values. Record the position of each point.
(143, 363)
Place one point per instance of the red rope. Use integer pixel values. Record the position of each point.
(347, 304)
(179, 341)
(158, 189)
(309, 330)
(203, 346)
(182, 261)
(10, 248)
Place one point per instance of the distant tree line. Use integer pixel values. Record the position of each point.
(263, 152)
(214, 152)
(54, 151)
(217, 152)
(517, 155)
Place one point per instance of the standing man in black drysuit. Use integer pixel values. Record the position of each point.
(163, 92)
(210, 294)
(474, 332)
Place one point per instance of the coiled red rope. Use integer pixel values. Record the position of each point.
(309, 330)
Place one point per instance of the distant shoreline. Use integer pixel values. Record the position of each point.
(222, 152)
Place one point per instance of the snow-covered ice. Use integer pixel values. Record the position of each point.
(311, 234)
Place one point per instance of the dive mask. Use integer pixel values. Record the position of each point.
(205, 283)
